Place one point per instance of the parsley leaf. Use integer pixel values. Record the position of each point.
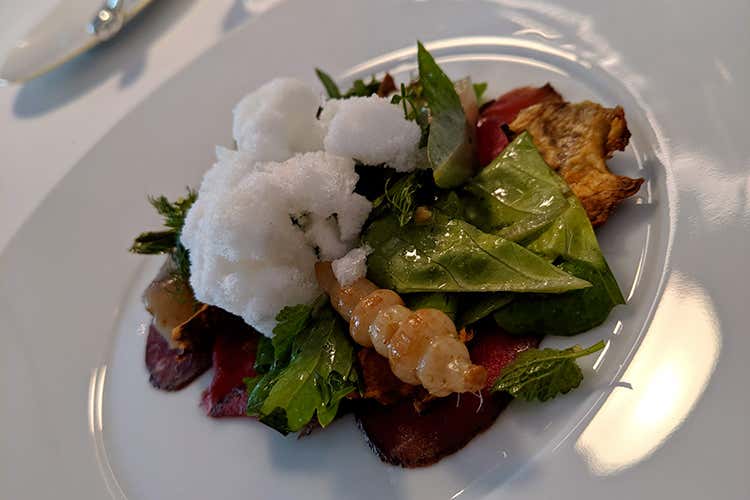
(168, 241)
(312, 371)
(543, 374)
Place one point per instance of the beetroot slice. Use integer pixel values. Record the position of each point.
(172, 369)
(233, 358)
(401, 436)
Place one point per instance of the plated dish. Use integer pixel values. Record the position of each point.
(396, 251)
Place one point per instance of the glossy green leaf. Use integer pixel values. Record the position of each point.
(566, 313)
(476, 306)
(449, 145)
(517, 195)
(446, 302)
(450, 255)
(318, 373)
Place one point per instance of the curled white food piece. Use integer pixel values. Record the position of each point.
(422, 346)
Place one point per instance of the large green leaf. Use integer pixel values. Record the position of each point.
(517, 195)
(451, 255)
(449, 145)
(566, 313)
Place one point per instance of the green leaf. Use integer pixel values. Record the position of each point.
(449, 147)
(358, 89)
(571, 237)
(450, 255)
(475, 306)
(566, 313)
(517, 195)
(446, 302)
(331, 88)
(154, 242)
(401, 197)
(313, 370)
(479, 90)
(168, 241)
(290, 322)
(520, 198)
(361, 89)
(264, 356)
(543, 374)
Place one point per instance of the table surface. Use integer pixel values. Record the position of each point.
(48, 124)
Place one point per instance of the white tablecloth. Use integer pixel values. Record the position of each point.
(47, 125)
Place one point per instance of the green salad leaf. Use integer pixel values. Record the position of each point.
(517, 195)
(542, 374)
(359, 88)
(567, 313)
(329, 84)
(479, 90)
(475, 306)
(168, 241)
(446, 302)
(451, 255)
(520, 198)
(313, 370)
(449, 145)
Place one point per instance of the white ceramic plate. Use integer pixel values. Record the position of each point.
(662, 412)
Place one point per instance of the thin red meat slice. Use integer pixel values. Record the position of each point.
(491, 139)
(401, 436)
(233, 359)
(507, 106)
(173, 369)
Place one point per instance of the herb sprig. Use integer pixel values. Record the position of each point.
(168, 241)
(544, 374)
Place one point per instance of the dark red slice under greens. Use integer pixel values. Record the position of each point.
(173, 369)
(233, 359)
(402, 436)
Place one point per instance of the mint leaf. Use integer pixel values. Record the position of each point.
(543, 374)
(449, 147)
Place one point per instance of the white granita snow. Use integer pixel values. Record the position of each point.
(371, 130)
(285, 198)
(351, 266)
(256, 227)
(278, 120)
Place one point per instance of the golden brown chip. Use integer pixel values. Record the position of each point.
(575, 140)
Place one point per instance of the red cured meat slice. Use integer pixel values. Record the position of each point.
(507, 106)
(172, 369)
(401, 436)
(491, 140)
(233, 358)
